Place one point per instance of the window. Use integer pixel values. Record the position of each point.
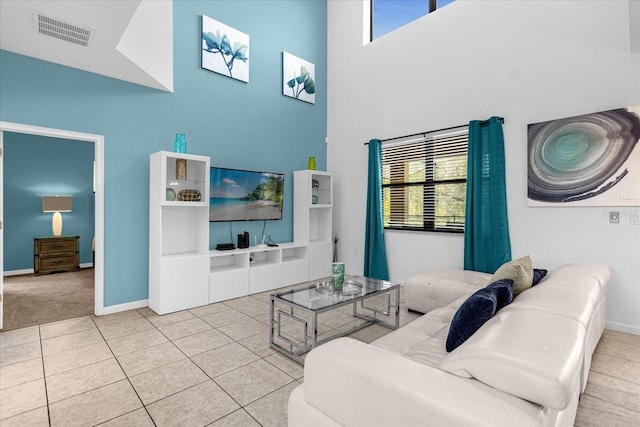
(424, 182)
(389, 15)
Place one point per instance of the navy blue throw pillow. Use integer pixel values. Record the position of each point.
(471, 315)
(504, 292)
(538, 274)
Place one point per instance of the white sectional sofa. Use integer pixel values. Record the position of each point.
(526, 366)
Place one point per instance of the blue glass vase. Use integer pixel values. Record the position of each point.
(180, 144)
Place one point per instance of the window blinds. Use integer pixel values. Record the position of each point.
(424, 182)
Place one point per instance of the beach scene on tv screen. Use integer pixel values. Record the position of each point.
(239, 195)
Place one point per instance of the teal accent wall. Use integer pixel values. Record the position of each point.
(36, 166)
(239, 125)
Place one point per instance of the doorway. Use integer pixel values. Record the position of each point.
(98, 141)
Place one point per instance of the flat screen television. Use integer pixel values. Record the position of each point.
(242, 195)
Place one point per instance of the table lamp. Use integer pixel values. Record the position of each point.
(56, 204)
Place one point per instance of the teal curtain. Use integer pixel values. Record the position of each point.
(486, 233)
(375, 252)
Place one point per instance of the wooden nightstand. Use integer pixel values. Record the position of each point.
(56, 254)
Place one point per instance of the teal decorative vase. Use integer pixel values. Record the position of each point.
(338, 275)
(180, 144)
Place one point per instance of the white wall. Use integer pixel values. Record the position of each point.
(527, 61)
(634, 25)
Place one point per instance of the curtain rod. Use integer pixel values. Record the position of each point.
(432, 131)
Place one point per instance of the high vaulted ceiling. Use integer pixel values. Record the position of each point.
(130, 40)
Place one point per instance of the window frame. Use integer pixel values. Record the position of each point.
(433, 6)
(430, 182)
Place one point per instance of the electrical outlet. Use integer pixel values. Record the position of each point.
(635, 218)
(614, 217)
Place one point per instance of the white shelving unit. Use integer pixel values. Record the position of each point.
(295, 265)
(184, 273)
(312, 219)
(178, 233)
(228, 275)
(242, 272)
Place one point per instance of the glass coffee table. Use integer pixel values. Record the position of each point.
(294, 312)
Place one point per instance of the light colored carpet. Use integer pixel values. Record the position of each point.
(35, 300)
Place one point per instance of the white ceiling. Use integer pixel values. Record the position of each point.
(132, 39)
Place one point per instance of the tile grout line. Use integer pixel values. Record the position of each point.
(44, 377)
(593, 369)
(612, 404)
(125, 375)
(608, 375)
(172, 341)
(179, 349)
(612, 335)
(27, 382)
(604, 353)
(198, 366)
(241, 407)
(97, 388)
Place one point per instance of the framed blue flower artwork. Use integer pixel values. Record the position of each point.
(225, 50)
(298, 78)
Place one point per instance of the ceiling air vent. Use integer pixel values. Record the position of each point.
(61, 30)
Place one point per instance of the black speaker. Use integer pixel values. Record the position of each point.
(243, 240)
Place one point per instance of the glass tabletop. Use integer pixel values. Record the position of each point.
(320, 294)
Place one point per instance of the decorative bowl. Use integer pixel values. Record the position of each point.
(351, 287)
(189, 195)
(325, 287)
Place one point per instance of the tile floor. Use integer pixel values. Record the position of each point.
(612, 396)
(210, 365)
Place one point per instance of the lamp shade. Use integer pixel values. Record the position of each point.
(56, 204)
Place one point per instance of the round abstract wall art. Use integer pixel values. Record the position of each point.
(583, 158)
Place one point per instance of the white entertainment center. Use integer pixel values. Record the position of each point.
(185, 273)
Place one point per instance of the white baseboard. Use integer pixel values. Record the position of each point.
(126, 306)
(18, 272)
(30, 270)
(622, 327)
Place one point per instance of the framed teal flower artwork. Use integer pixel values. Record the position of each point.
(225, 50)
(298, 78)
